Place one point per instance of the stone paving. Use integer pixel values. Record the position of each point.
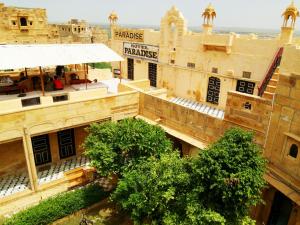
(11, 184)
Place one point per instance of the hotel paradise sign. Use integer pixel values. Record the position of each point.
(142, 51)
(129, 35)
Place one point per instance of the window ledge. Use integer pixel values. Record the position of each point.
(293, 136)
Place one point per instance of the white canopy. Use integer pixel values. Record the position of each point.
(29, 56)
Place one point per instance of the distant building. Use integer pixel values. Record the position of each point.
(30, 25)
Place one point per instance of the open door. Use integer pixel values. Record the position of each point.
(281, 210)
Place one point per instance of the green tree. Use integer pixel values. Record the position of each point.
(216, 188)
(231, 173)
(114, 147)
(158, 191)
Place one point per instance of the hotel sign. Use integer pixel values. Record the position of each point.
(129, 35)
(141, 51)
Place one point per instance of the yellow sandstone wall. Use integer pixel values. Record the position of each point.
(80, 134)
(285, 125)
(204, 127)
(52, 117)
(12, 157)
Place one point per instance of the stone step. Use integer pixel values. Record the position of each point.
(76, 182)
(271, 88)
(268, 95)
(78, 172)
(273, 82)
(275, 76)
(75, 177)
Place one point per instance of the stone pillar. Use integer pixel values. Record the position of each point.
(30, 159)
(207, 29)
(286, 35)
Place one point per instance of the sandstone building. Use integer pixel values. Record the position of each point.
(231, 79)
(193, 85)
(30, 25)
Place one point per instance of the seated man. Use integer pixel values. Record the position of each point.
(22, 77)
(58, 85)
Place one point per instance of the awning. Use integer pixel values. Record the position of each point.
(30, 56)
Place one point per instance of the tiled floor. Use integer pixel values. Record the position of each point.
(12, 184)
(200, 107)
(56, 171)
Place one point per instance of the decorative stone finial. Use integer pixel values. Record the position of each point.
(209, 15)
(290, 14)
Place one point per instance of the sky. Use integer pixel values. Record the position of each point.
(262, 14)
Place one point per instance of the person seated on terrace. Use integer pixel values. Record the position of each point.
(49, 84)
(58, 85)
(22, 77)
(60, 71)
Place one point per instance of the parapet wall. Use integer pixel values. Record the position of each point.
(46, 118)
(177, 117)
(249, 112)
(204, 127)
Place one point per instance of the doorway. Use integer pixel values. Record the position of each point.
(152, 74)
(130, 68)
(41, 149)
(281, 210)
(66, 143)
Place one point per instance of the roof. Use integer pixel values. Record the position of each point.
(30, 56)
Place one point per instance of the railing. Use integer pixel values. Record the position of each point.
(274, 64)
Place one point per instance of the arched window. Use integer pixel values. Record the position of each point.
(23, 21)
(294, 151)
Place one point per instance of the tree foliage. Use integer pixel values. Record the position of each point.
(231, 173)
(217, 188)
(114, 147)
